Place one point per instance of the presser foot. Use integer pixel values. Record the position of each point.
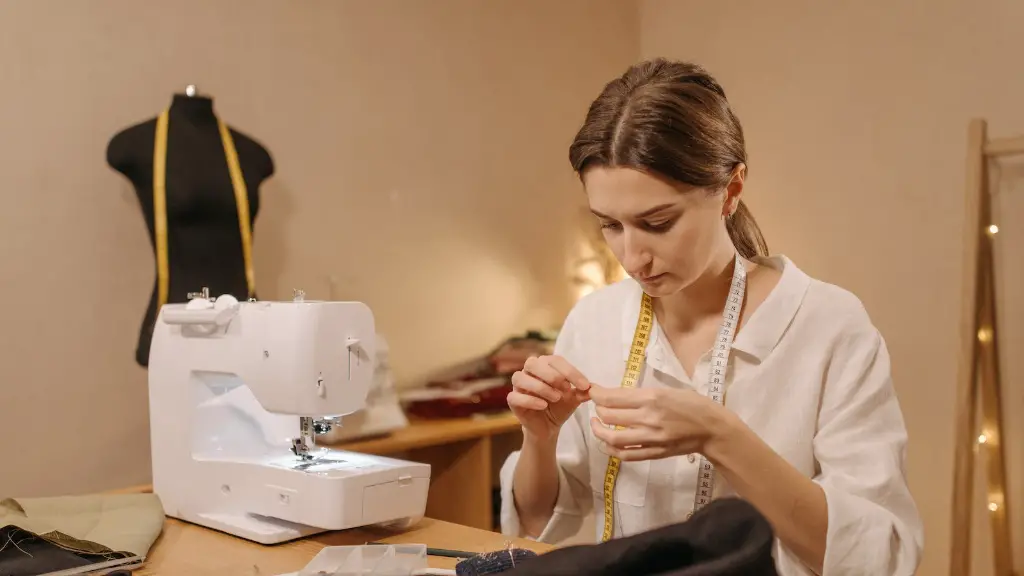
(305, 444)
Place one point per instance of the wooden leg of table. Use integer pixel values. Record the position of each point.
(501, 446)
(460, 482)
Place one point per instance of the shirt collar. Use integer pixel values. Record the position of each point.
(763, 329)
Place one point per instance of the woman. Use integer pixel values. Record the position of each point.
(750, 378)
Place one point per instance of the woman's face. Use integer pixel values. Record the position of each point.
(664, 236)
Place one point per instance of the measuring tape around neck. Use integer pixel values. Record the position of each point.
(160, 205)
(716, 387)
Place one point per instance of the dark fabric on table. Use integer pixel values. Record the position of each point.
(728, 537)
(24, 553)
(497, 562)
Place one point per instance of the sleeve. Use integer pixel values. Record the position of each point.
(573, 468)
(874, 527)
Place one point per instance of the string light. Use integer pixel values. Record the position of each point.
(995, 500)
(985, 336)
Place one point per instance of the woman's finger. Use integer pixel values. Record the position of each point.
(620, 397)
(540, 369)
(523, 382)
(636, 454)
(580, 396)
(569, 372)
(623, 416)
(626, 437)
(525, 401)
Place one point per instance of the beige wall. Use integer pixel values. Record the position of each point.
(421, 152)
(393, 131)
(856, 116)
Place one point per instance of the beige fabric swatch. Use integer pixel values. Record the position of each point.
(95, 523)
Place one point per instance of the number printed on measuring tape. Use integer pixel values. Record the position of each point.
(716, 380)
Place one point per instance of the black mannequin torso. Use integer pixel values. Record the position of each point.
(204, 243)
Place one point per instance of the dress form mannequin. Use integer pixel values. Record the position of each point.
(204, 241)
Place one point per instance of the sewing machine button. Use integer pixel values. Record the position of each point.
(691, 458)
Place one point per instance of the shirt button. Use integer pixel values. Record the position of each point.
(691, 458)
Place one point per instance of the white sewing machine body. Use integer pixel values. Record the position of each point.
(238, 392)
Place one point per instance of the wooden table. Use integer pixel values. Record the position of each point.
(190, 550)
(464, 456)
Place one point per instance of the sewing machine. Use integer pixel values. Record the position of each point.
(239, 391)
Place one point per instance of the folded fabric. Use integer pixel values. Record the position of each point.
(728, 537)
(89, 524)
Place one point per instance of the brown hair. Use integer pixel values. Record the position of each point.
(671, 119)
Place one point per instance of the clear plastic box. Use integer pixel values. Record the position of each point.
(371, 559)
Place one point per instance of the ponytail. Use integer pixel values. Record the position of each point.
(745, 233)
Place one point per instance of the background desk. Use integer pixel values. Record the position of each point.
(464, 454)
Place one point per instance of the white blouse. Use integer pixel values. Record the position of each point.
(809, 373)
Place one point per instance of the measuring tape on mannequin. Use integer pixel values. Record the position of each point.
(716, 387)
(160, 205)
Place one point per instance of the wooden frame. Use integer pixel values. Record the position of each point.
(978, 377)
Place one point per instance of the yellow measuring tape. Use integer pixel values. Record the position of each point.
(160, 205)
(716, 386)
(629, 379)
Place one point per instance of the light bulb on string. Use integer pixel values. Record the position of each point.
(995, 501)
(993, 230)
(986, 434)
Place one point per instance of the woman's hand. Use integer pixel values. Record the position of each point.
(657, 422)
(544, 395)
